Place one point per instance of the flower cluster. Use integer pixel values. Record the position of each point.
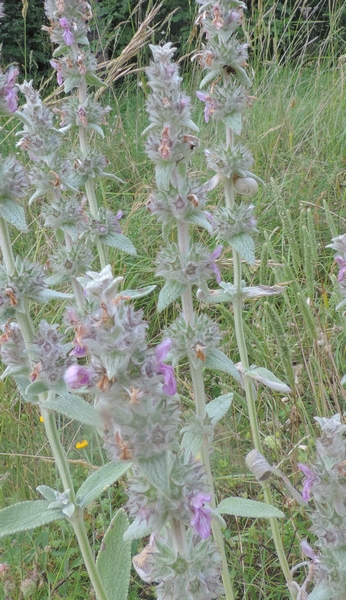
(193, 341)
(8, 92)
(325, 484)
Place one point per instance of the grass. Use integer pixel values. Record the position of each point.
(296, 132)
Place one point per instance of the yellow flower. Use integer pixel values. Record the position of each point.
(41, 419)
(82, 444)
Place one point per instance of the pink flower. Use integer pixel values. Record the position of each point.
(68, 36)
(309, 481)
(57, 66)
(80, 351)
(170, 385)
(210, 104)
(202, 519)
(308, 551)
(8, 91)
(214, 255)
(342, 264)
(78, 376)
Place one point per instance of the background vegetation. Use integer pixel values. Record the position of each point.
(296, 131)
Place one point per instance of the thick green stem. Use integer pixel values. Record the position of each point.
(6, 247)
(200, 401)
(77, 523)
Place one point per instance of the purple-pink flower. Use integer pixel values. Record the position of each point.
(78, 376)
(202, 519)
(68, 36)
(57, 66)
(308, 482)
(214, 256)
(170, 385)
(342, 264)
(8, 91)
(308, 551)
(210, 104)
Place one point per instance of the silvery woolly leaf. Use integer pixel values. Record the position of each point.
(99, 481)
(114, 558)
(74, 407)
(320, 592)
(163, 174)
(243, 76)
(92, 79)
(47, 492)
(170, 292)
(139, 293)
(267, 378)
(156, 470)
(22, 383)
(15, 370)
(245, 246)
(70, 83)
(137, 531)
(200, 220)
(242, 507)
(218, 360)
(215, 296)
(234, 122)
(27, 515)
(35, 388)
(193, 435)
(46, 295)
(258, 291)
(13, 214)
(343, 380)
(217, 408)
(209, 77)
(119, 241)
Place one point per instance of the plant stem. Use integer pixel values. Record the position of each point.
(200, 400)
(48, 415)
(77, 523)
(89, 185)
(250, 398)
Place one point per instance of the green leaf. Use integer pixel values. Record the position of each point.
(139, 293)
(200, 220)
(241, 507)
(245, 246)
(170, 292)
(92, 79)
(268, 378)
(27, 515)
(163, 173)
(119, 241)
(217, 408)
(156, 470)
(47, 492)
(234, 122)
(36, 387)
(218, 360)
(193, 435)
(71, 82)
(22, 384)
(13, 213)
(99, 481)
(114, 558)
(75, 407)
(209, 77)
(320, 592)
(137, 531)
(47, 295)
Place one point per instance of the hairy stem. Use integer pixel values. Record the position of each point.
(200, 400)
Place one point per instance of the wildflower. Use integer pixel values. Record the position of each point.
(8, 95)
(170, 385)
(67, 35)
(309, 481)
(342, 264)
(214, 255)
(82, 444)
(41, 419)
(201, 521)
(209, 104)
(77, 376)
(56, 64)
(308, 551)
